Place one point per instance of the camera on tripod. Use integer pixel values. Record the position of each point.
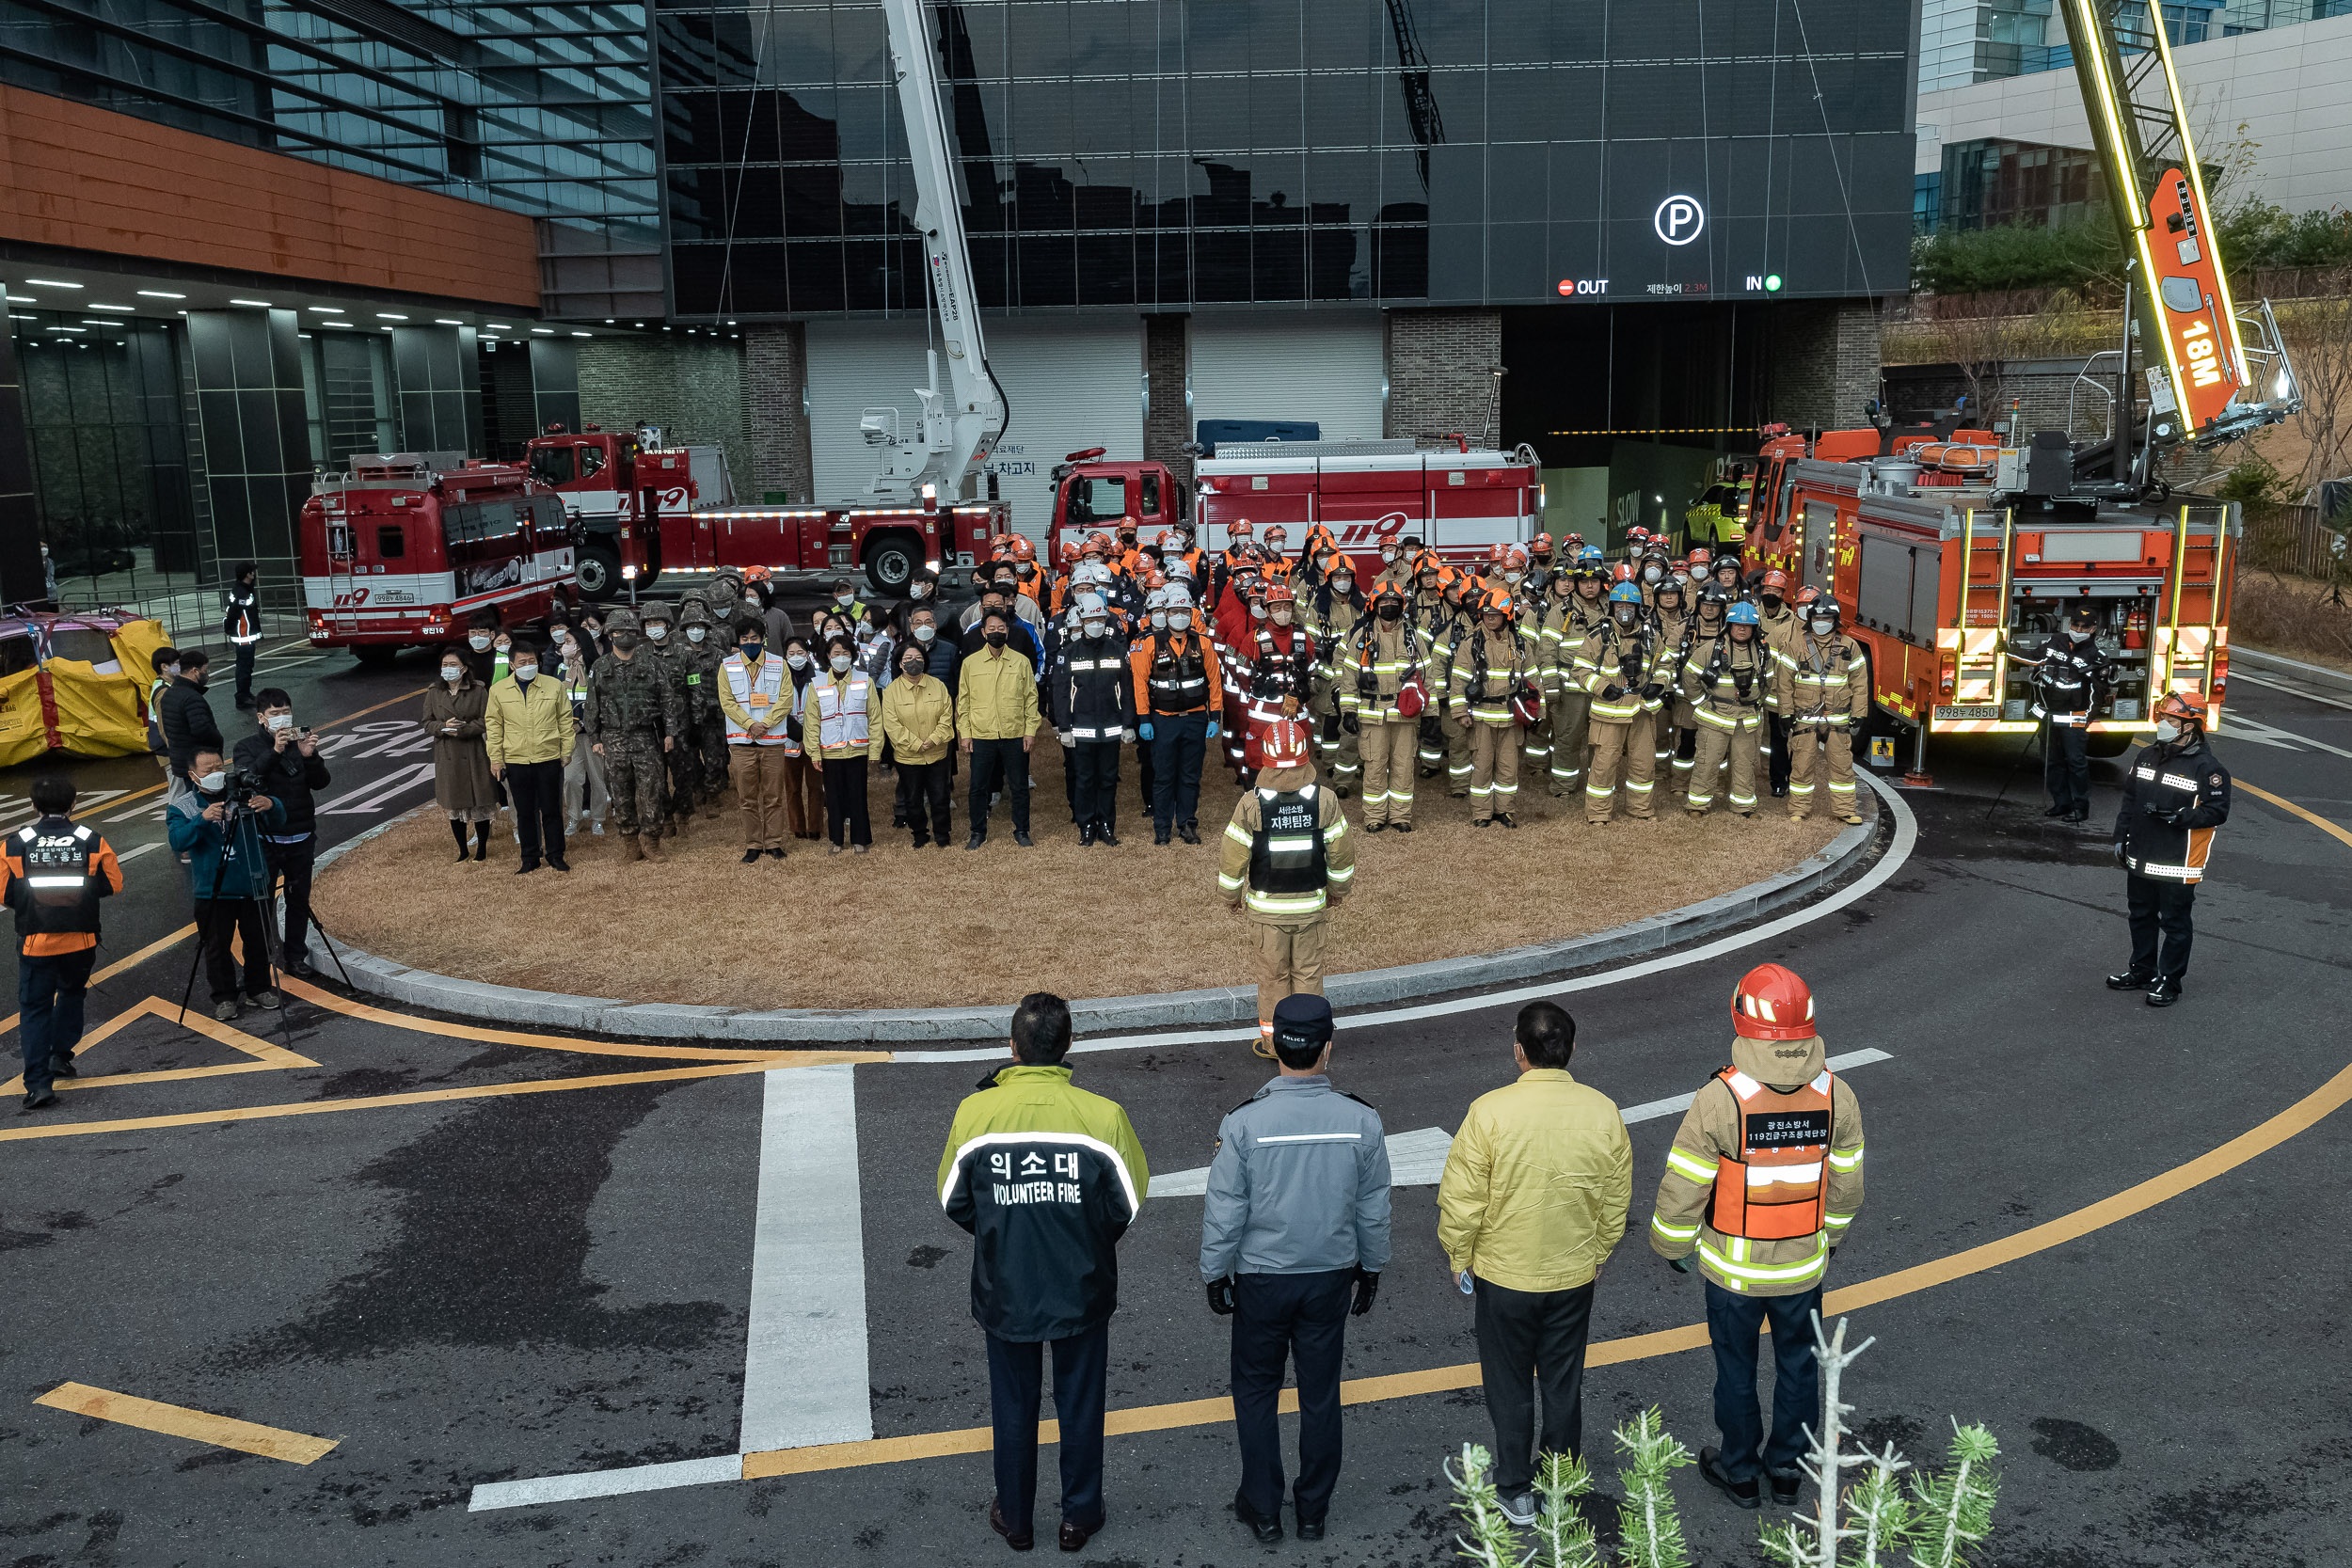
(238, 787)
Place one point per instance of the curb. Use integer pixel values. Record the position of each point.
(2290, 669)
(602, 1014)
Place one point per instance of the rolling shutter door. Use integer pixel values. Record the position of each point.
(1073, 384)
(1325, 367)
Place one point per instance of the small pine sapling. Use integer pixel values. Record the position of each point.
(1492, 1542)
(1953, 1509)
(1880, 1513)
(1651, 1524)
(1562, 1538)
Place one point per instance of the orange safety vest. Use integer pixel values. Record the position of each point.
(1776, 1192)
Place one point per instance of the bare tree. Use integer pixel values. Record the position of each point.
(2321, 343)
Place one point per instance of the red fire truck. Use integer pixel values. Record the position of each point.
(405, 548)
(618, 488)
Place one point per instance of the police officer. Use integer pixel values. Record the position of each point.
(1287, 858)
(2176, 795)
(2069, 679)
(634, 716)
(1292, 1241)
(52, 875)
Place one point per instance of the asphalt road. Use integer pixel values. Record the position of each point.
(468, 1285)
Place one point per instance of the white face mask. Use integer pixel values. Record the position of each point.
(1258, 610)
(1343, 584)
(506, 647)
(1823, 626)
(2080, 634)
(1388, 555)
(171, 670)
(1513, 577)
(480, 640)
(659, 631)
(211, 782)
(2167, 732)
(1282, 617)
(1159, 620)
(840, 664)
(918, 590)
(1651, 572)
(526, 673)
(924, 634)
(279, 720)
(798, 661)
(696, 634)
(451, 672)
(1096, 629)
(842, 599)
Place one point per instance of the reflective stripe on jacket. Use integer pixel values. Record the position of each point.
(746, 699)
(1299, 1185)
(841, 709)
(1234, 878)
(2191, 784)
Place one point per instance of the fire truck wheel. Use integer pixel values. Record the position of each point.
(372, 653)
(598, 568)
(891, 561)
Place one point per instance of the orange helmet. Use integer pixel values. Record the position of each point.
(1240, 528)
(1024, 550)
(1624, 572)
(1168, 539)
(1279, 591)
(1540, 545)
(1276, 535)
(1697, 559)
(755, 574)
(1776, 578)
(1494, 553)
(1285, 744)
(1068, 554)
(2182, 707)
(1806, 595)
(1153, 579)
(1772, 1003)
(1515, 560)
(1495, 602)
(1387, 591)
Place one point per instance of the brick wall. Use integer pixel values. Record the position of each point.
(1439, 380)
(692, 389)
(1824, 362)
(1166, 424)
(775, 370)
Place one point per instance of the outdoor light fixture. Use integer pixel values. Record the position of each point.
(154, 294)
(130, 309)
(257, 304)
(49, 284)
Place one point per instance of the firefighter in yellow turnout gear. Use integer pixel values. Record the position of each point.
(1824, 685)
(1287, 859)
(1333, 607)
(1381, 655)
(1575, 607)
(1726, 679)
(1489, 665)
(1625, 669)
(1762, 1185)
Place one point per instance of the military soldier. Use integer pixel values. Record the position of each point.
(635, 714)
(1287, 858)
(667, 651)
(704, 651)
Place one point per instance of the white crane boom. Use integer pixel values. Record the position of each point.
(959, 428)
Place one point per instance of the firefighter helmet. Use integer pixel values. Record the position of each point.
(1285, 744)
(1772, 1003)
(1024, 550)
(1821, 605)
(1539, 547)
(1239, 529)
(1805, 596)
(1276, 536)
(1574, 542)
(1776, 578)
(1515, 560)
(1153, 579)
(1742, 614)
(1495, 602)
(1495, 553)
(1068, 554)
(1623, 575)
(1667, 586)
(2181, 709)
(1625, 593)
(1168, 539)
(1278, 591)
(1386, 591)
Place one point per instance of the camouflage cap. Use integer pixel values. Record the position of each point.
(694, 613)
(657, 609)
(621, 618)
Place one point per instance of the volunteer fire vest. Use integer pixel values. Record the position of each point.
(841, 711)
(1180, 677)
(58, 892)
(760, 697)
(1287, 873)
(1774, 1191)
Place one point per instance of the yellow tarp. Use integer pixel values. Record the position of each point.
(97, 716)
(136, 645)
(23, 737)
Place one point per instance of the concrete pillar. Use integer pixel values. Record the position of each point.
(21, 578)
(437, 377)
(247, 373)
(775, 378)
(1440, 380)
(1824, 362)
(555, 383)
(1167, 422)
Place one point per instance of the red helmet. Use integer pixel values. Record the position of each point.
(1776, 578)
(1805, 596)
(1279, 591)
(2182, 707)
(1240, 528)
(1772, 1003)
(1515, 560)
(1024, 550)
(1540, 545)
(1276, 533)
(1624, 572)
(1285, 744)
(1697, 559)
(1574, 541)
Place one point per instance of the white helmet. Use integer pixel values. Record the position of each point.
(1091, 572)
(1090, 605)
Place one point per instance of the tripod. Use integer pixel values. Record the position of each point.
(237, 820)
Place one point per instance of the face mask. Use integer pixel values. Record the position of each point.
(211, 782)
(626, 641)
(2080, 634)
(843, 600)
(1513, 577)
(480, 640)
(1028, 571)
(911, 669)
(2166, 733)
(1823, 626)
(171, 668)
(1159, 620)
(1771, 601)
(1282, 617)
(1388, 555)
(995, 639)
(279, 721)
(1625, 614)
(659, 631)
(752, 650)
(840, 664)
(1651, 574)
(1392, 612)
(451, 672)
(557, 634)
(506, 647)
(798, 661)
(526, 673)
(918, 590)
(924, 634)
(696, 634)
(1258, 611)
(1097, 629)
(1343, 584)
(594, 628)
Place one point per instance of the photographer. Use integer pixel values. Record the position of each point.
(284, 761)
(221, 828)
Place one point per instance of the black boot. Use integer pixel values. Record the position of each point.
(457, 831)
(2057, 811)
(1103, 835)
(1188, 831)
(2131, 979)
(481, 841)
(1085, 834)
(2163, 993)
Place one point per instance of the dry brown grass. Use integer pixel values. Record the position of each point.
(930, 928)
(2291, 616)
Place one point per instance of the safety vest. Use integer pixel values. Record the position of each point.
(841, 711)
(1276, 672)
(60, 888)
(759, 698)
(1287, 875)
(575, 686)
(243, 627)
(1179, 678)
(1777, 1192)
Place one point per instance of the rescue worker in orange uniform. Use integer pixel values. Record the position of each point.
(1381, 657)
(2175, 796)
(1178, 692)
(1275, 546)
(1287, 859)
(1825, 696)
(1493, 670)
(1763, 1183)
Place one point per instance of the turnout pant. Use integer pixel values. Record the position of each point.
(1290, 963)
(1814, 756)
(993, 760)
(1343, 753)
(1095, 765)
(845, 799)
(219, 920)
(289, 866)
(2066, 762)
(1494, 769)
(50, 989)
(1179, 744)
(1721, 738)
(1458, 765)
(1386, 747)
(2160, 909)
(1278, 1318)
(1620, 748)
(537, 791)
(1016, 1376)
(1570, 716)
(758, 774)
(1733, 1319)
(926, 785)
(1527, 1339)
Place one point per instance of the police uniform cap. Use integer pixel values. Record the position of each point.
(1301, 1021)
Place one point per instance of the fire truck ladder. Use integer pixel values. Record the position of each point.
(1979, 645)
(2132, 98)
(1412, 74)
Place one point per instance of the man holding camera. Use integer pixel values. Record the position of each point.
(221, 828)
(52, 875)
(284, 762)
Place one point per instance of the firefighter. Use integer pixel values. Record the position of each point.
(1396, 565)
(1462, 599)
(1779, 624)
(1382, 657)
(1825, 692)
(1428, 613)
(1275, 546)
(1177, 692)
(1288, 859)
(2069, 680)
(1540, 567)
(701, 655)
(242, 626)
(1580, 603)
(1670, 612)
(1094, 716)
(1709, 601)
(1725, 677)
(1281, 676)
(1490, 680)
(1334, 606)
(1620, 664)
(1694, 571)
(666, 648)
(2174, 796)
(1761, 1184)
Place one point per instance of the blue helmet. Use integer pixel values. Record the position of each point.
(1625, 593)
(1742, 614)
(1591, 553)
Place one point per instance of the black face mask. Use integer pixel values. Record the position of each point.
(625, 641)
(995, 639)
(1392, 612)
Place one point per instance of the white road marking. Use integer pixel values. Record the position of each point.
(1416, 1159)
(805, 1359)
(137, 851)
(606, 1483)
(377, 793)
(2243, 728)
(1906, 839)
(2237, 672)
(83, 804)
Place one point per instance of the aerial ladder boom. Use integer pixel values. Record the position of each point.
(2214, 373)
(959, 427)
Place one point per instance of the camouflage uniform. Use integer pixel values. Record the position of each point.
(669, 653)
(632, 706)
(708, 725)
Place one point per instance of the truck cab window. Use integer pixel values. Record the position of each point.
(1098, 500)
(390, 543)
(551, 465)
(591, 461)
(1151, 496)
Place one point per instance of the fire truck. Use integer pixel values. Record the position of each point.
(405, 547)
(621, 489)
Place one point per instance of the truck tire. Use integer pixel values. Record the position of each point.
(597, 567)
(374, 654)
(891, 562)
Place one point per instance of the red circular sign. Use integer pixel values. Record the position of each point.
(1567, 285)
